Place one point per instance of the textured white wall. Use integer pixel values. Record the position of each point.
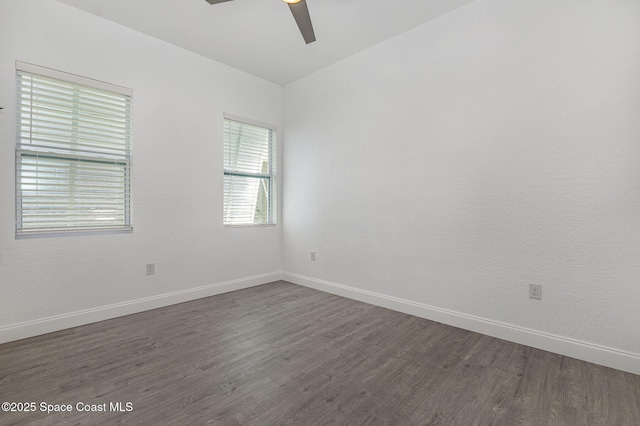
(493, 147)
(178, 102)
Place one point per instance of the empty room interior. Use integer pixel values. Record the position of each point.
(320, 212)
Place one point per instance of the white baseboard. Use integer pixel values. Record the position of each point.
(585, 351)
(61, 322)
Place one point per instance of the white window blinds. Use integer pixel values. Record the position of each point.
(248, 173)
(73, 153)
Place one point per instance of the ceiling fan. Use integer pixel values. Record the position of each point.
(300, 14)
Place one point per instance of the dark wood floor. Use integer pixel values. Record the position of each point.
(283, 354)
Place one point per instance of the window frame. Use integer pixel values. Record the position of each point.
(75, 157)
(271, 176)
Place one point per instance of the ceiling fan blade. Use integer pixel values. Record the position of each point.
(216, 1)
(301, 15)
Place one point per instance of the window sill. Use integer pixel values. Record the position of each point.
(252, 225)
(21, 235)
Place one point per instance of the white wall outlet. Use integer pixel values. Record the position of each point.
(151, 268)
(313, 256)
(535, 291)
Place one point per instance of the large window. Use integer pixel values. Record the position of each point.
(73, 153)
(248, 172)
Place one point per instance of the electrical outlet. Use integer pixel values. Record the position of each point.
(535, 291)
(313, 256)
(151, 268)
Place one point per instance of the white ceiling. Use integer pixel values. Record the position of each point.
(261, 36)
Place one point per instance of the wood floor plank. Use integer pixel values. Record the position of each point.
(282, 354)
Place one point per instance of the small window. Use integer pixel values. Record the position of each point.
(248, 172)
(73, 153)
